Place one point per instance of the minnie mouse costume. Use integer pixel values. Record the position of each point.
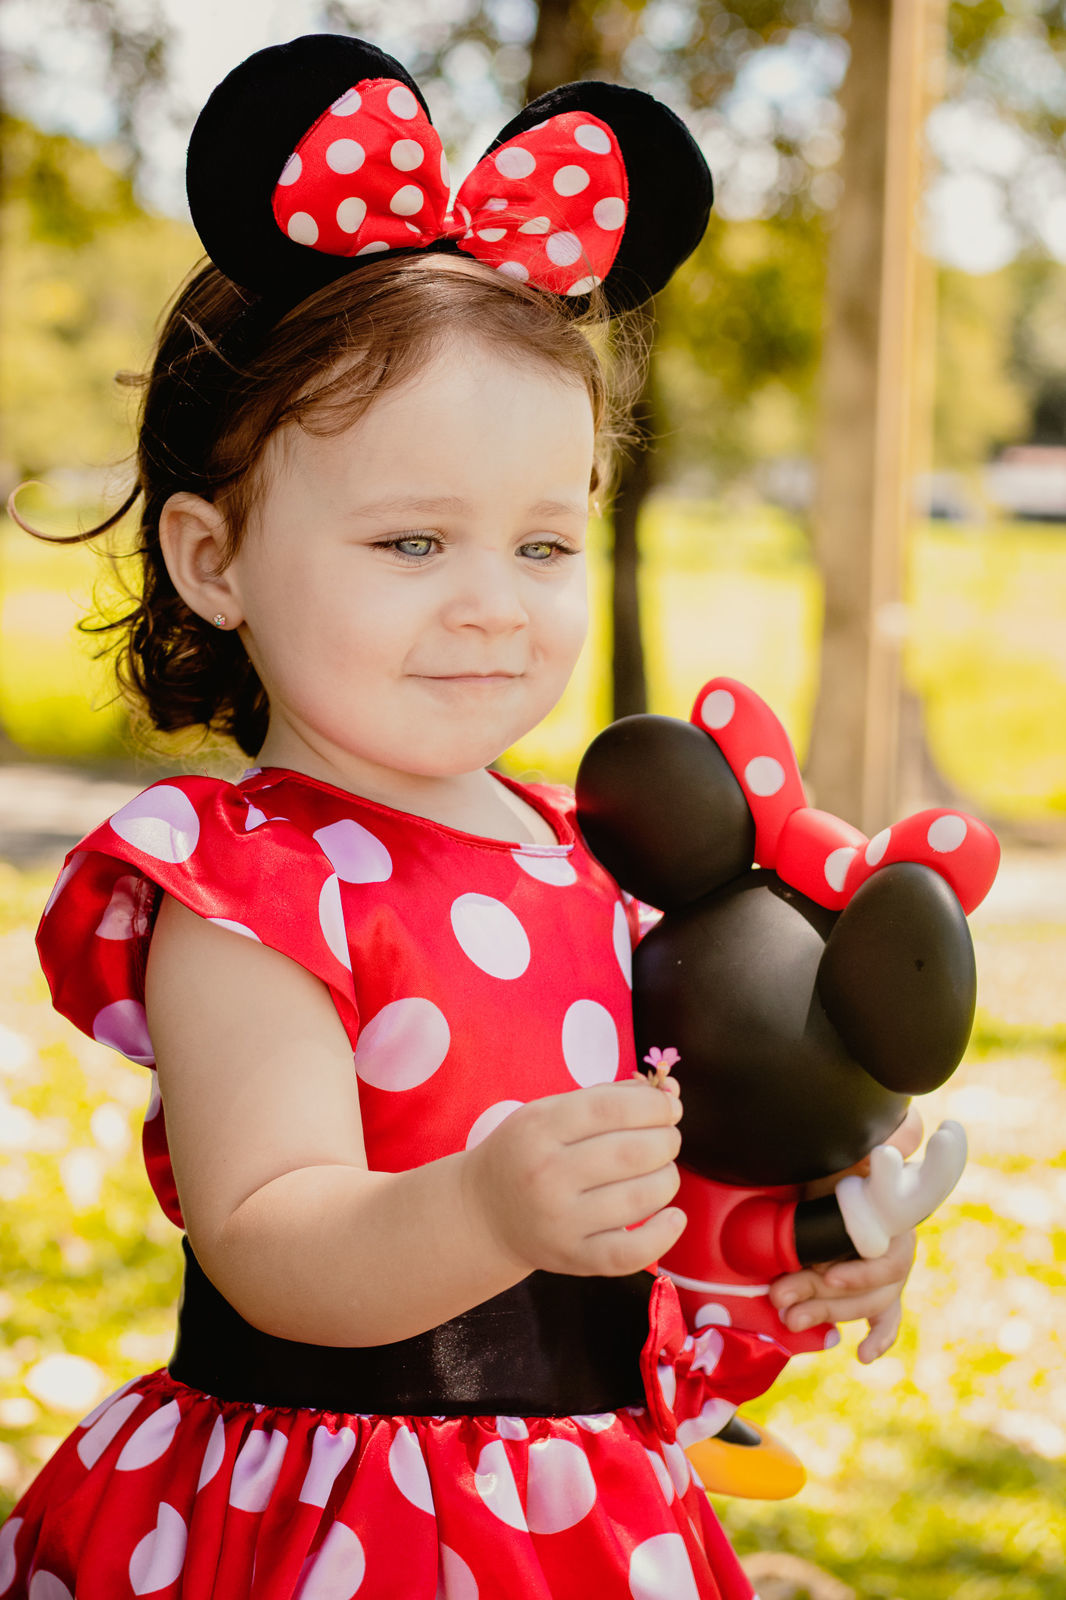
(533, 1446)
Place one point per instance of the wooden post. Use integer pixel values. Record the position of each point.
(862, 504)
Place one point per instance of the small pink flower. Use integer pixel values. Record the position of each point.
(662, 1058)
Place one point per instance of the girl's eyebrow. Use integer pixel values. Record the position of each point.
(455, 505)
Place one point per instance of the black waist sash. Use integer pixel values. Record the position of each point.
(550, 1346)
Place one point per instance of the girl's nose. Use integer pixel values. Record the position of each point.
(486, 594)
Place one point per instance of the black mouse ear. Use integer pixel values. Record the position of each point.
(659, 806)
(898, 978)
(670, 188)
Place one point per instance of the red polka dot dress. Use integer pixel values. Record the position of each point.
(471, 975)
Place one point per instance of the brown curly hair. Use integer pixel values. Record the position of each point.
(206, 416)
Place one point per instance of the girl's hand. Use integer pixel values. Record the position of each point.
(842, 1291)
(578, 1182)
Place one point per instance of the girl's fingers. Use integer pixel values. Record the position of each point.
(618, 1251)
(629, 1153)
(882, 1334)
(620, 1205)
(839, 1308)
(609, 1107)
(893, 1267)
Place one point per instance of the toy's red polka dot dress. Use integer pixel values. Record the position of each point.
(471, 975)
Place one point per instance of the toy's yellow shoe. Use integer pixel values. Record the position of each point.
(747, 1461)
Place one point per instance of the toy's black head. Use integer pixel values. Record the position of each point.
(802, 1031)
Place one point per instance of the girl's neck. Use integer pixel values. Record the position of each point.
(473, 802)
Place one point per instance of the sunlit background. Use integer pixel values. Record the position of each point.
(939, 1471)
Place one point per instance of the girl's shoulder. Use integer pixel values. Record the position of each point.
(241, 855)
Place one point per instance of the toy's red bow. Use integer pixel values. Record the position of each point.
(547, 207)
(818, 854)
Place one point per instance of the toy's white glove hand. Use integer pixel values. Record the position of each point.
(899, 1194)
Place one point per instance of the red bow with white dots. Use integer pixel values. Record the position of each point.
(549, 206)
(818, 854)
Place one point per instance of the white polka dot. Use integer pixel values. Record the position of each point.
(92, 1444)
(536, 225)
(875, 850)
(497, 203)
(348, 104)
(709, 1347)
(491, 935)
(372, 248)
(46, 1586)
(677, 1466)
(64, 878)
(162, 823)
(589, 137)
(546, 869)
(235, 927)
(511, 1428)
(560, 1488)
(514, 162)
(570, 180)
(495, 1483)
(345, 155)
(412, 227)
(254, 818)
(331, 921)
(402, 1045)
(155, 1099)
(623, 947)
(610, 213)
(492, 235)
(159, 1557)
(718, 709)
(713, 1315)
(712, 1418)
(214, 1454)
(406, 201)
(590, 1043)
(455, 1581)
(402, 103)
(302, 228)
(123, 917)
(490, 1120)
(338, 1567)
(406, 155)
(255, 1471)
(124, 1026)
(563, 249)
(585, 285)
(8, 1563)
(351, 214)
(836, 865)
(764, 775)
(515, 270)
(667, 1376)
(659, 1569)
(946, 834)
(658, 1466)
(409, 1472)
(330, 1454)
(151, 1440)
(291, 170)
(597, 1421)
(105, 1404)
(356, 854)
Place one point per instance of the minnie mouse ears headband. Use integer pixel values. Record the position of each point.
(315, 156)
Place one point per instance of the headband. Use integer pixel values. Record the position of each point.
(315, 156)
(812, 851)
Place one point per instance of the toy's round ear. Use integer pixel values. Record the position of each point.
(659, 806)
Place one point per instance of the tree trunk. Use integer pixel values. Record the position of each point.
(629, 693)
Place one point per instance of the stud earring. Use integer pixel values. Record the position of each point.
(219, 620)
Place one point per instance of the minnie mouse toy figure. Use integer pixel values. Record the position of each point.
(800, 1002)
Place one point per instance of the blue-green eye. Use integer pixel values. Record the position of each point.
(545, 549)
(416, 544)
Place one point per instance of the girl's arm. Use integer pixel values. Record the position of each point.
(262, 1115)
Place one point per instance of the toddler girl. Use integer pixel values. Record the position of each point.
(419, 1354)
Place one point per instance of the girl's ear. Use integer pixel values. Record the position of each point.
(659, 806)
(193, 538)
